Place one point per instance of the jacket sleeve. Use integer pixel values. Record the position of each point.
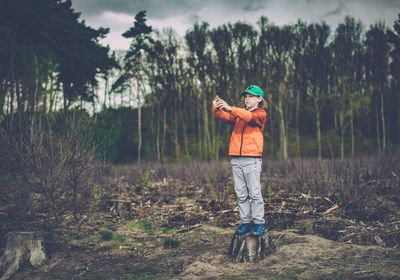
(256, 118)
(222, 115)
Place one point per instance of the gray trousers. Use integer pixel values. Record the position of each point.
(246, 176)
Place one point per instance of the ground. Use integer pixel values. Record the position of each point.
(171, 228)
(202, 255)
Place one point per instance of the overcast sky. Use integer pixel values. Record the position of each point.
(180, 15)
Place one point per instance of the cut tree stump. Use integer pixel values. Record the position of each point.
(113, 206)
(246, 248)
(118, 207)
(22, 248)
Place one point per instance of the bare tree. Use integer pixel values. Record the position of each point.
(47, 170)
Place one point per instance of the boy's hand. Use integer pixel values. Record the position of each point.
(215, 102)
(223, 105)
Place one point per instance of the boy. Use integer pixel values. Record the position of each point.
(245, 149)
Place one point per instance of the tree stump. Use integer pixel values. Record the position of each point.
(21, 248)
(246, 248)
(112, 206)
(118, 207)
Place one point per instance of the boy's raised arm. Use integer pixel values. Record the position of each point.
(257, 117)
(222, 115)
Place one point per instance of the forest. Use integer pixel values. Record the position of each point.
(115, 161)
(331, 93)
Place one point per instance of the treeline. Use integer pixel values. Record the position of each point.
(331, 93)
(46, 50)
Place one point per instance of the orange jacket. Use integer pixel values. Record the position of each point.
(247, 137)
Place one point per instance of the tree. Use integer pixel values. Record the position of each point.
(222, 39)
(279, 49)
(264, 71)
(347, 51)
(394, 39)
(377, 61)
(299, 71)
(244, 39)
(133, 64)
(196, 40)
(318, 59)
(44, 40)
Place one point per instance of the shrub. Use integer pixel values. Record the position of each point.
(106, 235)
(47, 170)
(145, 225)
(166, 229)
(119, 237)
(149, 227)
(170, 242)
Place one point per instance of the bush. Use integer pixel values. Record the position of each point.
(106, 235)
(171, 242)
(149, 227)
(47, 170)
(145, 225)
(119, 237)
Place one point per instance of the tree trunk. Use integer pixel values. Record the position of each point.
(106, 91)
(298, 125)
(246, 248)
(176, 137)
(20, 103)
(341, 122)
(378, 135)
(207, 141)
(139, 149)
(12, 99)
(21, 248)
(282, 127)
(318, 124)
(157, 135)
(185, 138)
(271, 127)
(213, 138)
(33, 100)
(199, 138)
(114, 101)
(3, 94)
(109, 97)
(93, 103)
(12, 85)
(398, 123)
(382, 111)
(44, 95)
(52, 93)
(352, 129)
(164, 136)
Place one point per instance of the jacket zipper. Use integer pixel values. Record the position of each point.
(258, 149)
(241, 140)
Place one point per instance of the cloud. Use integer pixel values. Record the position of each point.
(338, 11)
(254, 5)
(155, 8)
(180, 15)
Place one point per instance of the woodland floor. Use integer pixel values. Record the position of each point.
(172, 232)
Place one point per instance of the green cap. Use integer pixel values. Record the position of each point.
(254, 90)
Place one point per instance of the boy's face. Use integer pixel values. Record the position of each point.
(251, 101)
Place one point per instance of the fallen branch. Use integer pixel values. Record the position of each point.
(235, 224)
(188, 228)
(379, 241)
(279, 237)
(333, 208)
